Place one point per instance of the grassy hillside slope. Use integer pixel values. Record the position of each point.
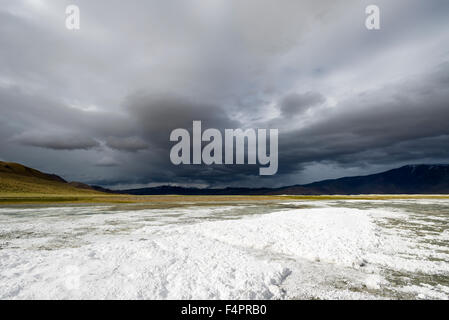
(16, 179)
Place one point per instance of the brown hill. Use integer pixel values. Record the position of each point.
(19, 179)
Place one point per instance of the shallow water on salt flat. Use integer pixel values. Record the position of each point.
(392, 249)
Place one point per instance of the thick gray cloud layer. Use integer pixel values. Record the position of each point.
(98, 104)
(295, 104)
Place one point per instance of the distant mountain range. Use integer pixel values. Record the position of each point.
(410, 179)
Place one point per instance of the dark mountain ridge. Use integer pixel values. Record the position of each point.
(410, 179)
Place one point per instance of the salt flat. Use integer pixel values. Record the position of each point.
(336, 249)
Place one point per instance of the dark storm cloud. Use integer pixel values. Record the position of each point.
(98, 105)
(131, 144)
(394, 122)
(419, 150)
(22, 110)
(56, 141)
(157, 115)
(295, 104)
(107, 162)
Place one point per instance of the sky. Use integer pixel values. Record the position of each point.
(97, 105)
